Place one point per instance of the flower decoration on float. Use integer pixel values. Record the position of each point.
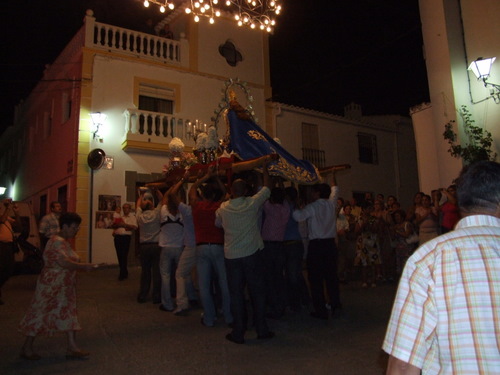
(178, 158)
(207, 146)
(255, 14)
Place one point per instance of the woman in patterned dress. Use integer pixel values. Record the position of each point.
(401, 230)
(53, 307)
(368, 248)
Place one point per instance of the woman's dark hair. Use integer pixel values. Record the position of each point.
(277, 195)
(69, 218)
(291, 193)
(398, 212)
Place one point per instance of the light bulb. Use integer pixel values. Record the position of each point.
(146, 3)
(171, 5)
(212, 20)
(217, 13)
(228, 3)
(162, 9)
(188, 10)
(252, 26)
(215, 1)
(196, 18)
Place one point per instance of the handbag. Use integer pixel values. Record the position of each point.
(15, 242)
(412, 239)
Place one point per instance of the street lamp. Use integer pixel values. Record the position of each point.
(481, 69)
(98, 119)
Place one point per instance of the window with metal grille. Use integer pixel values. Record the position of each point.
(310, 145)
(367, 146)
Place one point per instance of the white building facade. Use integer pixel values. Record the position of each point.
(150, 90)
(455, 33)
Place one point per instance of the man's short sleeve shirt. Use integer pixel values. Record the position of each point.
(446, 315)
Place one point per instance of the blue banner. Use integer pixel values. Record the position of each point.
(249, 141)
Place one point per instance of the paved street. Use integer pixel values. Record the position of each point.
(125, 337)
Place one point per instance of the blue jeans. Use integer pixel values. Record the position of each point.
(167, 256)
(185, 287)
(247, 272)
(210, 262)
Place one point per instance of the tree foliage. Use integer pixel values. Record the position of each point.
(479, 140)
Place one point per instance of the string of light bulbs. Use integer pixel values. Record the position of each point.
(256, 14)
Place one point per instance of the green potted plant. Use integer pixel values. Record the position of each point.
(479, 140)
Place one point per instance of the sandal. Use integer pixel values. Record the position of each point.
(80, 354)
(29, 357)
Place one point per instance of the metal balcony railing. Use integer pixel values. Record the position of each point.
(315, 156)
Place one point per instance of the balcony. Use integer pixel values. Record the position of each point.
(315, 156)
(135, 43)
(152, 131)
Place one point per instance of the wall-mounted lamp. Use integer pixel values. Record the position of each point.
(481, 69)
(98, 119)
(2, 190)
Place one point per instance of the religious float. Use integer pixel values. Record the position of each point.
(243, 147)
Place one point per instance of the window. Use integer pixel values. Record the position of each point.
(62, 197)
(43, 205)
(310, 137)
(66, 107)
(47, 125)
(156, 99)
(367, 145)
(310, 145)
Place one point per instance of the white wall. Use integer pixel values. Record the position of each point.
(395, 174)
(113, 84)
(455, 33)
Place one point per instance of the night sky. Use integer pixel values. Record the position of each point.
(324, 53)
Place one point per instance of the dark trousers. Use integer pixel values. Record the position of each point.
(6, 262)
(322, 257)
(247, 272)
(122, 246)
(149, 254)
(297, 291)
(274, 261)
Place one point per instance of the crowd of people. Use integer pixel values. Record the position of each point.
(252, 239)
(377, 236)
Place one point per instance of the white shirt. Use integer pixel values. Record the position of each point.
(321, 216)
